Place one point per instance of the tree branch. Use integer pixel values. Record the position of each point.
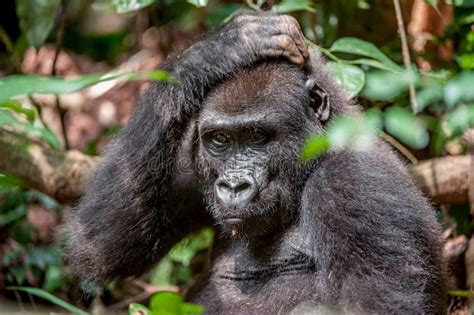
(63, 175)
(445, 179)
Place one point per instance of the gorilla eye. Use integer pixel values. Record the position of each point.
(220, 140)
(258, 138)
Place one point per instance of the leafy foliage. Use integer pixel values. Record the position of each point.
(444, 97)
(174, 268)
(350, 77)
(20, 85)
(363, 48)
(51, 298)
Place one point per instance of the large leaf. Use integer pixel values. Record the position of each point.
(355, 46)
(36, 19)
(51, 298)
(287, 6)
(385, 85)
(351, 78)
(401, 123)
(20, 85)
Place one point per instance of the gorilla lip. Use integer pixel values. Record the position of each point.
(233, 220)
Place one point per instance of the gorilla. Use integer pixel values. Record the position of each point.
(346, 233)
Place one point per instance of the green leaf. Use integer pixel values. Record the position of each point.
(8, 180)
(124, 6)
(156, 75)
(7, 118)
(51, 298)
(461, 3)
(466, 61)
(37, 19)
(358, 132)
(351, 78)
(459, 89)
(13, 214)
(30, 114)
(136, 309)
(166, 303)
(287, 6)
(161, 274)
(20, 85)
(433, 3)
(315, 146)
(401, 123)
(53, 279)
(342, 131)
(198, 3)
(187, 248)
(385, 85)
(461, 293)
(171, 303)
(460, 119)
(428, 95)
(465, 19)
(369, 62)
(355, 46)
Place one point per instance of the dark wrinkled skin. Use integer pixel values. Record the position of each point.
(347, 233)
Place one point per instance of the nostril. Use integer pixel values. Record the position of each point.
(225, 186)
(241, 187)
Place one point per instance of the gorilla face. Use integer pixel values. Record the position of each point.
(249, 144)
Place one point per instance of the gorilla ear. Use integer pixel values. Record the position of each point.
(319, 100)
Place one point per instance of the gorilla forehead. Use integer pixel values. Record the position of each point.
(270, 87)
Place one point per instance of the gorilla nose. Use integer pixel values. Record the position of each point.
(236, 192)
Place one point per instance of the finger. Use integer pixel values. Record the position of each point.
(294, 30)
(283, 45)
(295, 59)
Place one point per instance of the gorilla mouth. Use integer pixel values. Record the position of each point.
(233, 220)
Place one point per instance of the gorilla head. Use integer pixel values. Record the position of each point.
(251, 131)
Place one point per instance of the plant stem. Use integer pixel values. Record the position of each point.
(59, 41)
(405, 52)
(397, 145)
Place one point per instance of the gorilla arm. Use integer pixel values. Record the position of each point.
(374, 234)
(129, 216)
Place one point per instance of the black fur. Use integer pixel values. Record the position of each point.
(347, 233)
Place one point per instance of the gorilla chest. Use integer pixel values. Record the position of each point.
(271, 279)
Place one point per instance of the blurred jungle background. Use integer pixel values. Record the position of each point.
(71, 70)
